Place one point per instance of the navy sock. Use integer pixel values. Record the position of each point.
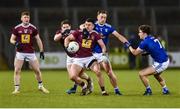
(148, 89)
(116, 90)
(75, 86)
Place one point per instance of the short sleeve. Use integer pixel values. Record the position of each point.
(112, 29)
(14, 31)
(142, 45)
(35, 32)
(97, 36)
(58, 31)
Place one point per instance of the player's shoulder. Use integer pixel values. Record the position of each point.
(31, 25)
(21, 25)
(108, 25)
(76, 31)
(58, 31)
(149, 38)
(72, 31)
(94, 32)
(17, 26)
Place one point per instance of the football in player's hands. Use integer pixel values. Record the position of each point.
(73, 47)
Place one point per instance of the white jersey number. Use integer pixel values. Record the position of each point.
(157, 41)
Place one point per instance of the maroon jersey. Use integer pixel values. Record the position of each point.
(25, 36)
(86, 45)
(62, 42)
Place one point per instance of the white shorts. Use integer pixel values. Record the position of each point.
(84, 62)
(99, 57)
(26, 56)
(69, 60)
(160, 67)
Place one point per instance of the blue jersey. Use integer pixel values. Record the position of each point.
(154, 47)
(105, 30)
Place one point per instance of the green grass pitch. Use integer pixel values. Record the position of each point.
(57, 82)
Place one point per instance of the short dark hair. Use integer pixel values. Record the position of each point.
(102, 12)
(66, 21)
(90, 20)
(25, 13)
(145, 29)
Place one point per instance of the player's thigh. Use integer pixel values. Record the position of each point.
(95, 67)
(68, 67)
(106, 66)
(18, 64)
(75, 70)
(34, 64)
(147, 71)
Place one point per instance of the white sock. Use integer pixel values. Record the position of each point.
(164, 86)
(40, 84)
(85, 86)
(16, 87)
(117, 88)
(148, 87)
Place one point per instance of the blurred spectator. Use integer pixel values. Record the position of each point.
(162, 41)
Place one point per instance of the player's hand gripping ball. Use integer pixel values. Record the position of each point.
(73, 47)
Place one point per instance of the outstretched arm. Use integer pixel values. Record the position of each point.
(102, 45)
(135, 51)
(57, 37)
(82, 26)
(120, 37)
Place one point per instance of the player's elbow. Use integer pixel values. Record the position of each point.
(135, 53)
(11, 41)
(55, 39)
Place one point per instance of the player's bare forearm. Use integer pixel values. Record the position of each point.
(82, 26)
(68, 39)
(13, 39)
(57, 37)
(135, 51)
(102, 45)
(120, 37)
(39, 43)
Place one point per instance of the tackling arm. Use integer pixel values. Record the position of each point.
(57, 37)
(135, 51)
(102, 45)
(120, 37)
(82, 26)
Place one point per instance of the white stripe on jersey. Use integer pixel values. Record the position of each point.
(21, 24)
(106, 24)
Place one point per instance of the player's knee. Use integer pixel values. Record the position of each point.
(96, 70)
(72, 77)
(110, 73)
(141, 73)
(17, 70)
(98, 73)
